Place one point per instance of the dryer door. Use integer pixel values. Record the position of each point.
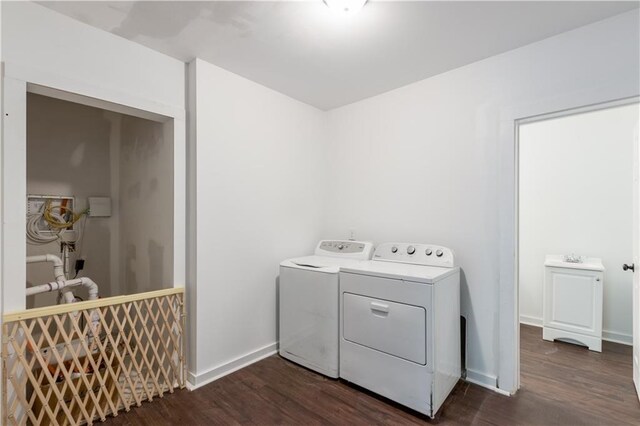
(386, 342)
(396, 329)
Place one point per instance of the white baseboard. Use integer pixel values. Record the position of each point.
(612, 336)
(609, 336)
(524, 319)
(198, 380)
(482, 379)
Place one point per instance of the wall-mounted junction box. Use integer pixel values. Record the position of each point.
(60, 204)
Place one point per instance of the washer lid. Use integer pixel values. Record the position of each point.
(589, 263)
(400, 271)
(319, 263)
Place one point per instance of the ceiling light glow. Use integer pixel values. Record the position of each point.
(345, 7)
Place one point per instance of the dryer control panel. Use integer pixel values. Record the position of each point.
(415, 253)
(351, 249)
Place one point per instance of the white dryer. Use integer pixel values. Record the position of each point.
(400, 324)
(308, 304)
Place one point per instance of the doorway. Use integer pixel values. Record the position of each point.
(575, 211)
(99, 199)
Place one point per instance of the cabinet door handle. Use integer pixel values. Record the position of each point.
(631, 267)
(597, 279)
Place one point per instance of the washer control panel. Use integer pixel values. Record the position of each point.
(419, 254)
(351, 249)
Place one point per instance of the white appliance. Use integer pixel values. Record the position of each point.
(400, 324)
(308, 304)
(572, 301)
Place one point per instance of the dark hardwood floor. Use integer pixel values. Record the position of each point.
(562, 384)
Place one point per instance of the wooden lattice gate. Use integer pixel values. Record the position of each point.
(72, 364)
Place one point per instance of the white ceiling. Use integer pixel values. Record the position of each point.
(306, 52)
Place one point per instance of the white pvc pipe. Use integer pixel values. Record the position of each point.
(68, 296)
(65, 286)
(59, 285)
(58, 266)
(58, 272)
(65, 260)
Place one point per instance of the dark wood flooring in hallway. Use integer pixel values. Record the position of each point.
(562, 384)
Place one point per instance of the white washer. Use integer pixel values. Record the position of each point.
(308, 304)
(400, 324)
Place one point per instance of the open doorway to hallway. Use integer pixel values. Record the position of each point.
(575, 233)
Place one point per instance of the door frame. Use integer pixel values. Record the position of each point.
(511, 303)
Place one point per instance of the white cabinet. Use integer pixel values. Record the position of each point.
(573, 295)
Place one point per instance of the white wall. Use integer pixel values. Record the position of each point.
(145, 213)
(43, 47)
(68, 154)
(38, 43)
(260, 192)
(422, 163)
(575, 180)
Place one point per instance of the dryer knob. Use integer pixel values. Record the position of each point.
(411, 250)
(428, 252)
(439, 253)
(394, 249)
(340, 246)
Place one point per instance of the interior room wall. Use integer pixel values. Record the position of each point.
(421, 163)
(37, 41)
(575, 183)
(260, 191)
(145, 205)
(68, 154)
